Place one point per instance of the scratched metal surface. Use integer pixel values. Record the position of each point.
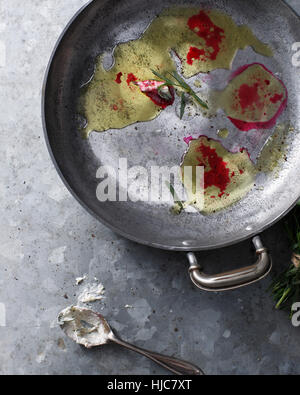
(48, 239)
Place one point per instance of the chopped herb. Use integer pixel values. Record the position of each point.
(183, 105)
(181, 84)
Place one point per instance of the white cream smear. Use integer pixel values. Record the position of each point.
(84, 326)
(91, 293)
(80, 280)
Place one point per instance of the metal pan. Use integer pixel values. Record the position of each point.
(96, 29)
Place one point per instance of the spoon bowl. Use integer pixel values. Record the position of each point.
(90, 329)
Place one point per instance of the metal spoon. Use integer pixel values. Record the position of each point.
(90, 329)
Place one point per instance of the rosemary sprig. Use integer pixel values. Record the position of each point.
(286, 287)
(188, 89)
(179, 82)
(161, 77)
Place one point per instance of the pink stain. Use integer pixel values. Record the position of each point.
(213, 35)
(187, 140)
(243, 149)
(118, 80)
(150, 89)
(276, 98)
(218, 173)
(194, 53)
(247, 98)
(131, 78)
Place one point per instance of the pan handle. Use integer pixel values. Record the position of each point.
(236, 278)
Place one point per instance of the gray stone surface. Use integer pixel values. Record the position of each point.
(47, 240)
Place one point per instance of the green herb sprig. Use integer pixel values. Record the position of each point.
(179, 82)
(286, 287)
(179, 205)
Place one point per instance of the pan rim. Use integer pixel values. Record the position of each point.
(98, 217)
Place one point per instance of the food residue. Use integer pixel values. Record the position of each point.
(80, 280)
(254, 98)
(223, 133)
(118, 80)
(92, 293)
(228, 177)
(212, 35)
(203, 40)
(84, 326)
(275, 150)
(160, 94)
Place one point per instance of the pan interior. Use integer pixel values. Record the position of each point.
(96, 30)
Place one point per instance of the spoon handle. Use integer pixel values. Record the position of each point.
(176, 366)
